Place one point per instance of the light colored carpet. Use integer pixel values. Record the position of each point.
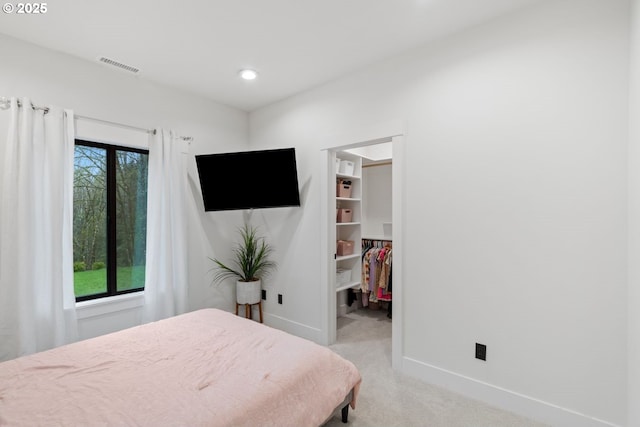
(388, 398)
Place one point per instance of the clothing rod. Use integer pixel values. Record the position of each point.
(372, 165)
(4, 104)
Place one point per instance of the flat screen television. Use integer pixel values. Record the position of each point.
(249, 179)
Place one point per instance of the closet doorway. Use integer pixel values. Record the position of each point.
(354, 222)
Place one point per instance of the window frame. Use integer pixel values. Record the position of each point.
(112, 264)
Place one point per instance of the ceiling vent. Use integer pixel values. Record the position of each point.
(120, 65)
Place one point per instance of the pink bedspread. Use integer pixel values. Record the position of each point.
(205, 368)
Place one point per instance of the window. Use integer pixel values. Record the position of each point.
(109, 219)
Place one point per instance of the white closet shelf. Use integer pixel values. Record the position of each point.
(341, 175)
(345, 257)
(347, 286)
(349, 231)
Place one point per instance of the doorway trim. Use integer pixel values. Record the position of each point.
(393, 132)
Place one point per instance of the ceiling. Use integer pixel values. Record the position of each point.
(200, 45)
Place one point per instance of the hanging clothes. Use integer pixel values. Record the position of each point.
(376, 270)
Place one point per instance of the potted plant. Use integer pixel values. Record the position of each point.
(250, 263)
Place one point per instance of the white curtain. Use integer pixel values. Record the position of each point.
(37, 302)
(165, 288)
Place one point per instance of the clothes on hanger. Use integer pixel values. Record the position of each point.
(377, 259)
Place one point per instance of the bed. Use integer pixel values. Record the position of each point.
(204, 368)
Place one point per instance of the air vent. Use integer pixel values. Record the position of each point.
(120, 65)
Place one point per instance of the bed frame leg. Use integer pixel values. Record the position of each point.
(345, 414)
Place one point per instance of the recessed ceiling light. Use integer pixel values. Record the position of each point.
(248, 74)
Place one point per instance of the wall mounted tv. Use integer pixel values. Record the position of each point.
(249, 179)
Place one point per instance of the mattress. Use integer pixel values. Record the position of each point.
(204, 368)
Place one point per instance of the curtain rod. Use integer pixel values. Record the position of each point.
(122, 125)
(126, 126)
(4, 104)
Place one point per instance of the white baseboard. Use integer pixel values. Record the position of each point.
(292, 327)
(499, 397)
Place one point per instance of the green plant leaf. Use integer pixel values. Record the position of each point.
(250, 259)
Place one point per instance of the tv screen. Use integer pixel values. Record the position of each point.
(249, 179)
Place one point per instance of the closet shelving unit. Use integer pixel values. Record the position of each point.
(350, 230)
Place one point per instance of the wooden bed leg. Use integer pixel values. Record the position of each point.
(345, 414)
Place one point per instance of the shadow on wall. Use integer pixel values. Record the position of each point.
(216, 235)
(208, 232)
(280, 229)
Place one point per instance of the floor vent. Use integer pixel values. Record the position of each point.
(120, 65)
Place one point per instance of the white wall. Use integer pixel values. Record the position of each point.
(48, 77)
(376, 200)
(515, 222)
(634, 222)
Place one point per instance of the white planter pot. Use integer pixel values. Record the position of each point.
(248, 292)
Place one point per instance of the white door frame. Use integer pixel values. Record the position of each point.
(385, 132)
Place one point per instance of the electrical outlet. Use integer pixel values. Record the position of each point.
(481, 351)
(279, 298)
(264, 294)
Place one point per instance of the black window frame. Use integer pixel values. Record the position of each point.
(112, 265)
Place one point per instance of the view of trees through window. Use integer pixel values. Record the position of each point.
(109, 219)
